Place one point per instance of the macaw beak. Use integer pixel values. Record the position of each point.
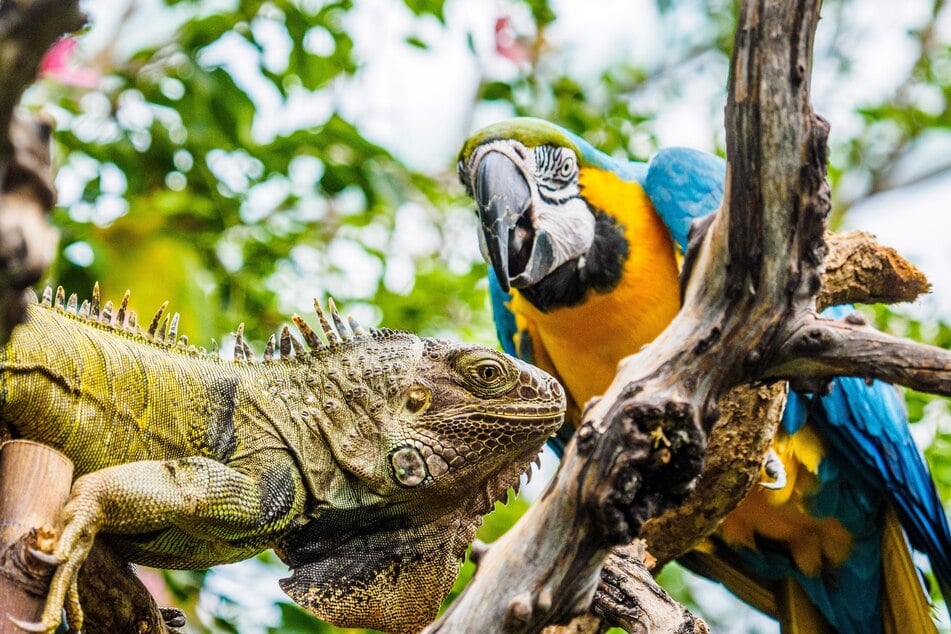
(504, 203)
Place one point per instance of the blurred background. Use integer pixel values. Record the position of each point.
(243, 157)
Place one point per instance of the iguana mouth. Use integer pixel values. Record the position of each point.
(555, 414)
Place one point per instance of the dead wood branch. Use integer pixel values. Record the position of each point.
(27, 243)
(738, 446)
(29, 520)
(628, 597)
(858, 269)
(817, 347)
(114, 599)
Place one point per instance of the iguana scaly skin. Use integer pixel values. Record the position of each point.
(366, 462)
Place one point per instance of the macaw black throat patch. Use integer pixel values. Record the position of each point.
(601, 270)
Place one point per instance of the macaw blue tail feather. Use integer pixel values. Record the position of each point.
(867, 425)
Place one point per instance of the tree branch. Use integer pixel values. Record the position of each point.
(738, 445)
(628, 597)
(27, 243)
(858, 270)
(27, 29)
(114, 599)
(818, 347)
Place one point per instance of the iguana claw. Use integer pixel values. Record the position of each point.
(775, 469)
(80, 525)
(45, 557)
(27, 626)
(52, 617)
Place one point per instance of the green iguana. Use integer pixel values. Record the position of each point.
(366, 462)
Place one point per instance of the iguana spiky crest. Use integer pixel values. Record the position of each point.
(164, 333)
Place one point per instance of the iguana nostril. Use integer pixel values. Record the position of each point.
(409, 468)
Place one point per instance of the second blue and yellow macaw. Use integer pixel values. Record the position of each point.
(585, 253)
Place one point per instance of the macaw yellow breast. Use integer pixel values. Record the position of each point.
(782, 516)
(584, 343)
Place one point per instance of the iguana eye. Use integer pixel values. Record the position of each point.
(486, 374)
(409, 468)
(489, 372)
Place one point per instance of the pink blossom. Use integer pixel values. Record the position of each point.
(56, 66)
(507, 42)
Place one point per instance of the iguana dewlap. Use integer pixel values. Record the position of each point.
(366, 461)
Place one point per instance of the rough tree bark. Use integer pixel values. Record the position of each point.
(749, 314)
(28, 523)
(857, 270)
(27, 242)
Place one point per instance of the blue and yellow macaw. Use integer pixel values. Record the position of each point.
(584, 253)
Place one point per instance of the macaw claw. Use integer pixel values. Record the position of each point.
(775, 469)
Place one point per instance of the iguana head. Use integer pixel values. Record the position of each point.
(425, 435)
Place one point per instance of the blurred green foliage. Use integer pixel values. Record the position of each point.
(174, 183)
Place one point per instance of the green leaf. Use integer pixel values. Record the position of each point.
(414, 41)
(427, 7)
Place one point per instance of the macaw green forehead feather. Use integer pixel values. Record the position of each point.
(531, 133)
(528, 131)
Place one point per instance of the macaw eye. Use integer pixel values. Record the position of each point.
(568, 166)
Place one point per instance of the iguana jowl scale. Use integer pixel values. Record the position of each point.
(366, 461)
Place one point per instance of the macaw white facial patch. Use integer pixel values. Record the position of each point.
(569, 227)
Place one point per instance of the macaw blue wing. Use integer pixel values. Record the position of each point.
(683, 185)
(847, 599)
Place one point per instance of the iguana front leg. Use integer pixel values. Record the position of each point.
(207, 500)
